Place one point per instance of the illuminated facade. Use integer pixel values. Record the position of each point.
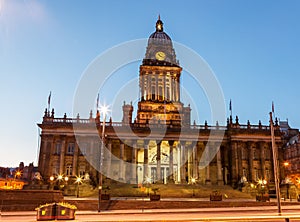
(172, 153)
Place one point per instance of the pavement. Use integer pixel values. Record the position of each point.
(294, 208)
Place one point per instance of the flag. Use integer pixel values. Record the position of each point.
(272, 107)
(230, 108)
(97, 105)
(49, 99)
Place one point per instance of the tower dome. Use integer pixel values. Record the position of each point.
(160, 48)
(159, 34)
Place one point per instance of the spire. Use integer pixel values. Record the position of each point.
(159, 25)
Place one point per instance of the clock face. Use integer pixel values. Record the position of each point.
(160, 56)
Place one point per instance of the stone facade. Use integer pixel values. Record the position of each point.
(160, 145)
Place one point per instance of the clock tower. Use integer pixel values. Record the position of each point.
(159, 81)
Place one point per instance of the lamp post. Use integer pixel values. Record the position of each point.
(51, 182)
(262, 184)
(103, 110)
(286, 164)
(148, 182)
(275, 165)
(61, 179)
(78, 181)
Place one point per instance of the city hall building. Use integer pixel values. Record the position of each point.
(161, 144)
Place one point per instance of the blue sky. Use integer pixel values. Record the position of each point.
(253, 47)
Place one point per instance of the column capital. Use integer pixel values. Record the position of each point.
(171, 142)
(146, 142)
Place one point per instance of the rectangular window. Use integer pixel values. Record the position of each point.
(256, 174)
(55, 169)
(245, 172)
(83, 148)
(57, 148)
(254, 154)
(267, 174)
(267, 154)
(82, 170)
(70, 148)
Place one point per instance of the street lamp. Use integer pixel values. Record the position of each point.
(262, 184)
(286, 164)
(287, 182)
(148, 182)
(103, 110)
(51, 182)
(17, 174)
(193, 180)
(78, 181)
(61, 179)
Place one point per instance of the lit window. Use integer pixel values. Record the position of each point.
(69, 170)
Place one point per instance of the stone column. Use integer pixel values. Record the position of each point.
(51, 152)
(121, 165)
(219, 168)
(178, 89)
(149, 87)
(195, 160)
(156, 86)
(146, 148)
(171, 89)
(174, 89)
(158, 163)
(62, 156)
(262, 159)
(90, 154)
(239, 157)
(234, 162)
(178, 179)
(250, 162)
(164, 88)
(42, 166)
(75, 160)
(133, 163)
(182, 162)
(189, 162)
(207, 168)
(171, 164)
(108, 160)
(142, 87)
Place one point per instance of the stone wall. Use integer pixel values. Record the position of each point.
(18, 200)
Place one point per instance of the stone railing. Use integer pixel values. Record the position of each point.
(49, 120)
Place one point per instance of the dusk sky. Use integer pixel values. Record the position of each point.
(253, 47)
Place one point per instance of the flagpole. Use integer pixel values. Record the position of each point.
(275, 165)
(230, 108)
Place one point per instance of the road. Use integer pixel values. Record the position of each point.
(213, 214)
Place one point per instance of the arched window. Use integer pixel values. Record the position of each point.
(68, 170)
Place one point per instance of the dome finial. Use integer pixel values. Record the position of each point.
(159, 25)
